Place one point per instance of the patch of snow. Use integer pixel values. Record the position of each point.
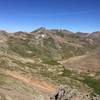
(43, 35)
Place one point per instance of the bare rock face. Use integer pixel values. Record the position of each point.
(66, 93)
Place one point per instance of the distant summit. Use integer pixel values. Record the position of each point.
(39, 29)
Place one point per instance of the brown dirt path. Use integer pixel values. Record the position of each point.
(39, 84)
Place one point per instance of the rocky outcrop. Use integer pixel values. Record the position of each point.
(66, 93)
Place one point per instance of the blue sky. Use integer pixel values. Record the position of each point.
(27, 15)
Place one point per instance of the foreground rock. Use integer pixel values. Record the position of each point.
(66, 93)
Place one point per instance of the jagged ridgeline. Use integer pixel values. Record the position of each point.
(49, 63)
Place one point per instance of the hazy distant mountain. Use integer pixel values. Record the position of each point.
(35, 65)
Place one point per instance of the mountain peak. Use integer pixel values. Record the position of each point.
(39, 29)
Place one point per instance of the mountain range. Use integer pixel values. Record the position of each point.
(49, 64)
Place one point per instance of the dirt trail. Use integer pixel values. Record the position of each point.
(41, 85)
(76, 58)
